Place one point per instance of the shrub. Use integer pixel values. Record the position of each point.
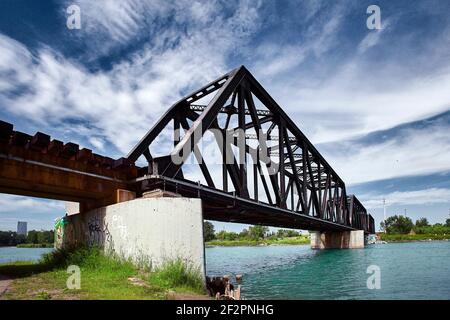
(178, 273)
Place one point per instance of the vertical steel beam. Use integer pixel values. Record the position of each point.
(313, 186)
(200, 160)
(294, 171)
(305, 177)
(176, 130)
(281, 165)
(242, 142)
(319, 185)
(258, 129)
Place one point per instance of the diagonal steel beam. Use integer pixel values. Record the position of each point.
(207, 117)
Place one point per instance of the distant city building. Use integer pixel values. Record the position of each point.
(22, 228)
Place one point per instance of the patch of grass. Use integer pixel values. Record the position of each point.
(234, 243)
(292, 240)
(21, 268)
(178, 275)
(43, 295)
(102, 277)
(413, 237)
(35, 245)
(246, 243)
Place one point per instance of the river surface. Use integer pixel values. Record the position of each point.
(415, 270)
(11, 254)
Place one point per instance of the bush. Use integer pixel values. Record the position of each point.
(224, 235)
(208, 231)
(86, 258)
(178, 273)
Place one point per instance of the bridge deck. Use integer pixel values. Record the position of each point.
(40, 167)
(228, 207)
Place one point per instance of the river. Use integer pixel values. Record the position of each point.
(11, 254)
(415, 270)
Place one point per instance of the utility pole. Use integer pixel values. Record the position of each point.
(384, 213)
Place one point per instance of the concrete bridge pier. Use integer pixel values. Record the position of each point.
(147, 231)
(337, 239)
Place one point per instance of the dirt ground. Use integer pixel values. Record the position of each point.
(5, 283)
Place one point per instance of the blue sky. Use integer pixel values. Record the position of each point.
(375, 102)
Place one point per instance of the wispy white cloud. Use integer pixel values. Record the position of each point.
(374, 37)
(10, 203)
(409, 152)
(109, 25)
(321, 35)
(334, 103)
(121, 104)
(349, 95)
(416, 197)
(385, 81)
(39, 213)
(98, 143)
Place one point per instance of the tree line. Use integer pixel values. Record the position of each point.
(11, 238)
(399, 224)
(252, 233)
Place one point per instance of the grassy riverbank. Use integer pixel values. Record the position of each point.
(102, 277)
(413, 237)
(262, 242)
(35, 245)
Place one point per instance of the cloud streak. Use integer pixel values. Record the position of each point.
(9, 203)
(416, 149)
(417, 197)
(39, 213)
(54, 91)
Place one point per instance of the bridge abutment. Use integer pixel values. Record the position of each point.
(147, 231)
(337, 239)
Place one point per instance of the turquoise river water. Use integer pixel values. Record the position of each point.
(415, 270)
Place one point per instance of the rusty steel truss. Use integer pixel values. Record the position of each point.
(304, 192)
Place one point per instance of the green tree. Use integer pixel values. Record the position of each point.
(244, 234)
(447, 222)
(208, 231)
(438, 228)
(229, 236)
(7, 238)
(422, 222)
(398, 225)
(283, 233)
(40, 237)
(258, 232)
(10, 238)
(45, 237)
(32, 236)
(20, 238)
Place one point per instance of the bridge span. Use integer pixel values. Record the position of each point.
(304, 192)
(268, 172)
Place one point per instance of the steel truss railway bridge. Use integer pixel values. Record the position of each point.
(304, 191)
